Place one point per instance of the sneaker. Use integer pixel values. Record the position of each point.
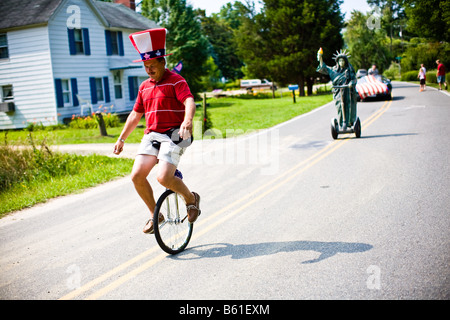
(148, 228)
(193, 210)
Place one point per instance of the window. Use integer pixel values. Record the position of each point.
(6, 94)
(117, 84)
(114, 43)
(79, 46)
(66, 92)
(99, 89)
(133, 87)
(3, 46)
(79, 41)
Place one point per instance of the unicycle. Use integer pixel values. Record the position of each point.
(170, 221)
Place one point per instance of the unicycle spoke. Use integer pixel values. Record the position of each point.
(174, 233)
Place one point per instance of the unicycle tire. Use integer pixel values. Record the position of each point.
(174, 233)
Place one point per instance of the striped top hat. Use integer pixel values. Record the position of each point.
(150, 44)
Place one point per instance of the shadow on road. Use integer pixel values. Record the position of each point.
(244, 251)
(388, 135)
(352, 137)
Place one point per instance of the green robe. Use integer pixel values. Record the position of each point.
(341, 77)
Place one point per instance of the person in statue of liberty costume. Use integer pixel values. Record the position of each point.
(342, 74)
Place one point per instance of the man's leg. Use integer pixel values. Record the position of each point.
(143, 164)
(167, 178)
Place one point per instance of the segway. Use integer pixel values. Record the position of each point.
(336, 129)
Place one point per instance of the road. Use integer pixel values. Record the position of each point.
(287, 213)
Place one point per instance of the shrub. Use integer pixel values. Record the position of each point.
(431, 76)
(112, 120)
(83, 122)
(90, 122)
(410, 76)
(393, 72)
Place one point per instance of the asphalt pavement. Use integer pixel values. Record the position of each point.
(288, 213)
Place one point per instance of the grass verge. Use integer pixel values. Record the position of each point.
(33, 175)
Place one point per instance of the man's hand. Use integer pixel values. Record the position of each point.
(186, 126)
(132, 122)
(118, 147)
(186, 129)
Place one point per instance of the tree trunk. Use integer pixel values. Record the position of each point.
(310, 84)
(301, 85)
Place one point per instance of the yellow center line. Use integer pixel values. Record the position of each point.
(257, 195)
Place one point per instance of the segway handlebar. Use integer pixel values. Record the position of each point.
(342, 87)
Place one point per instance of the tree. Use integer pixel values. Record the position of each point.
(393, 17)
(429, 19)
(184, 38)
(367, 45)
(221, 37)
(281, 42)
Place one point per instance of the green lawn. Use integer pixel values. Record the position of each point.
(241, 115)
(225, 114)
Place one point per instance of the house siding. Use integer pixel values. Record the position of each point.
(29, 70)
(83, 67)
(41, 57)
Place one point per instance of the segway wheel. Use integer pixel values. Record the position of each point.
(334, 129)
(358, 128)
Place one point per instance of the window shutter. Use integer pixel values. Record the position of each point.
(72, 49)
(93, 90)
(131, 88)
(87, 46)
(74, 85)
(120, 41)
(59, 94)
(108, 43)
(106, 86)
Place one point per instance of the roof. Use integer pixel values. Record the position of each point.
(26, 13)
(15, 13)
(120, 16)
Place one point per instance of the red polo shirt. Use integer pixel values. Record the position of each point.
(162, 102)
(441, 70)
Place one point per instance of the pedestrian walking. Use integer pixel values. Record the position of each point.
(423, 77)
(440, 75)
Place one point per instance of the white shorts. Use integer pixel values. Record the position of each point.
(168, 151)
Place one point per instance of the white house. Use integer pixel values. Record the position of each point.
(60, 57)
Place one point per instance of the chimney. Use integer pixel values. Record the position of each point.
(127, 3)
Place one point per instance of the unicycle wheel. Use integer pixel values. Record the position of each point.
(174, 233)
